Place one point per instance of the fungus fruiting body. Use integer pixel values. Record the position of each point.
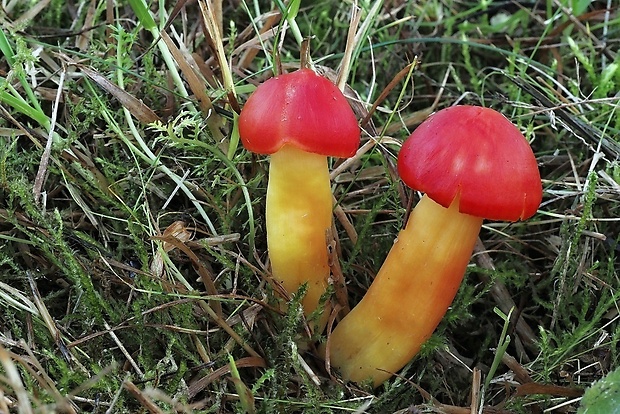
(471, 163)
(299, 118)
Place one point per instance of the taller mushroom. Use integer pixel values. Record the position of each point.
(299, 118)
(472, 163)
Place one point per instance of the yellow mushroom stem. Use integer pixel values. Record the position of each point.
(409, 296)
(298, 214)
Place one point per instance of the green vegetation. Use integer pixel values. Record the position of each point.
(603, 396)
(133, 262)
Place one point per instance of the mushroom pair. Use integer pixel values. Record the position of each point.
(471, 163)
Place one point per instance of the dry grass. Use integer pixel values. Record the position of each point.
(133, 267)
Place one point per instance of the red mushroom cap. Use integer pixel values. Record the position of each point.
(302, 109)
(478, 155)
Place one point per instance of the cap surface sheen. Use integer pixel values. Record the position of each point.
(477, 154)
(301, 109)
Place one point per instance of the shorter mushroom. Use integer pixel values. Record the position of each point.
(299, 118)
(472, 163)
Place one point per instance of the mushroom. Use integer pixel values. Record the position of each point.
(299, 118)
(471, 163)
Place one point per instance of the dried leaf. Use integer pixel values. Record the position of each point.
(179, 231)
(137, 108)
(547, 389)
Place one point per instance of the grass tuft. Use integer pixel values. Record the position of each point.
(134, 273)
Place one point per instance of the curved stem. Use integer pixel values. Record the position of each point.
(298, 214)
(410, 295)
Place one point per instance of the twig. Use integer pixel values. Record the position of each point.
(345, 64)
(475, 390)
(315, 379)
(342, 218)
(123, 350)
(45, 158)
(521, 373)
(142, 399)
(209, 19)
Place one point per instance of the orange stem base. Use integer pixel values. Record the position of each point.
(409, 296)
